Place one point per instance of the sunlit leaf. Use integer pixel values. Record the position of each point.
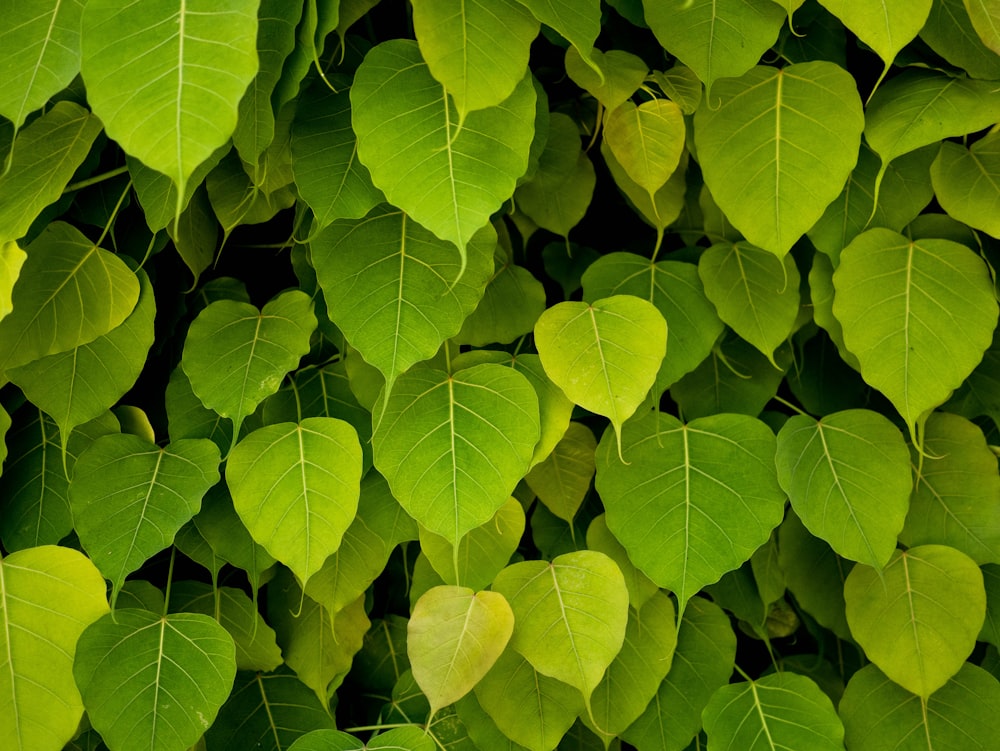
(647, 140)
(950, 33)
(986, 20)
(640, 587)
(886, 27)
(511, 304)
(578, 22)
(966, 182)
(621, 73)
(659, 209)
(11, 260)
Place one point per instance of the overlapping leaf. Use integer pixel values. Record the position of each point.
(950, 33)
(647, 140)
(967, 182)
(578, 22)
(562, 480)
(886, 27)
(640, 587)
(610, 77)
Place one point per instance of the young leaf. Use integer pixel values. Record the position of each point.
(610, 77)
(679, 489)
(917, 314)
(777, 146)
(647, 140)
(966, 182)
(986, 20)
(848, 479)
(130, 497)
(919, 617)
(789, 710)
(562, 480)
(48, 596)
(170, 95)
(449, 180)
(296, 487)
(603, 355)
(659, 209)
(454, 637)
(878, 713)
(886, 27)
(430, 440)
(570, 615)
(152, 681)
(236, 355)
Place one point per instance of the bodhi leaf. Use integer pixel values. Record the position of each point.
(327, 740)
(886, 26)
(170, 94)
(950, 33)
(919, 617)
(296, 488)
(430, 439)
(578, 22)
(130, 497)
(449, 180)
(986, 20)
(11, 260)
(477, 49)
(755, 292)
(560, 204)
(879, 714)
(236, 355)
(782, 710)
(967, 182)
(690, 502)
(918, 315)
(152, 681)
(610, 77)
(454, 637)
(659, 209)
(848, 478)
(647, 140)
(604, 355)
(396, 291)
(221, 528)
(776, 147)
(640, 587)
(570, 615)
(562, 479)
(48, 596)
(510, 307)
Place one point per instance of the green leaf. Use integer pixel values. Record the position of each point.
(481, 728)
(554, 409)
(69, 293)
(755, 293)
(918, 618)
(129, 497)
(187, 417)
(676, 289)
(296, 488)
(848, 478)
(448, 180)
(579, 23)
(693, 501)
(991, 626)
(45, 155)
(603, 355)
(223, 530)
(917, 314)
(702, 662)
(599, 538)
(634, 676)
(511, 304)
(782, 710)
(570, 615)
(170, 95)
(966, 182)
(454, 637)
(610, 77)
(151, 681)
(562, 479)
(157, 194)
(395, 290)
(647, 141)
(661, 208)
(477, 49)
(956, 494)
(48, 596)
(236, 355)
(961, 714)
(430, 437)
(715, 38)
(777, 146)
(681, 85)
(950, 33)
(986, 21)
(886, 27)
(527, 706)
(81, 384)
(40, 55)
(326, 740)
(11, 260)
(558, 205)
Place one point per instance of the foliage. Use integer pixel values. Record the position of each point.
(499, 374)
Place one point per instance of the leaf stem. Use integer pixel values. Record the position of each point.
(170, 579)
(80, 184)
(791, 406)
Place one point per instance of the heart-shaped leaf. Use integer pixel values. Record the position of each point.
(562, 480)
(640, 587)
(610, 77)
(886, 27)
(296, 488)
(578, 22)
(647, 141)
(967, 182)
(11, 260)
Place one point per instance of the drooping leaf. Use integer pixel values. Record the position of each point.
(878, 713)
(659, 209)
(848, 478)
(154, 681)
(129, 497)
(647, 140)
(554, 409)
(562, 480)
(386, 273)
(640, 587)
(570, 615)
(558, 205)
(448, 180)
(579, 23)
(511, 304)
(170, 95)
(48, 596)
(236, 355)
(886, 27)
(610, 77)
(956, 494)
(777, 146)
(483, 731)
(681, 85)
(966, 182)
(477, 49)
(781, 710)
(918, 316)
(69, 293)
(917, 618)
(223, 531)
(715, 38)
(430, 438)
(187, 417)
(754, 292)
(296, 488)
(454, 637)
(604, 355)
(693, 501)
